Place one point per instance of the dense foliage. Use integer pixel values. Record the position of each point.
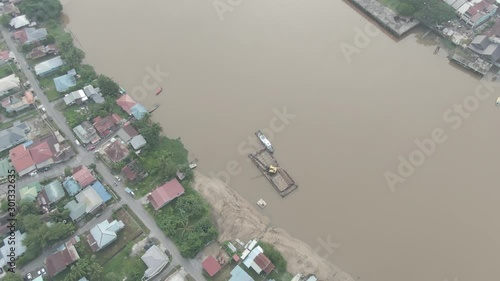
(189, 224)
(429, 12)
(276, 258)
(41, 10)
(38, 233)
(108, 86)
(86, 267)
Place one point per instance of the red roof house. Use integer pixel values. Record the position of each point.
(116, 151)
(106, 125)
(126, 102)
(84, 177)
(41, 153)
(165, 193)
(129, 172)
(58, 261)
(21, 160)
(264, 263)
(211, 266)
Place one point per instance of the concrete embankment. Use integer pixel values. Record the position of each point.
(387, 18)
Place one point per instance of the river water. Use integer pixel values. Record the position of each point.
(348, 122)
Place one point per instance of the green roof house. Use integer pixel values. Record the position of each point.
(76, 210)
(30, 192)
(54, 191)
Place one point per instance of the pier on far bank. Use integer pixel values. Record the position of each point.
(387, 18)
(276, 175)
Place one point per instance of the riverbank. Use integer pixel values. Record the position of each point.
(237, 218)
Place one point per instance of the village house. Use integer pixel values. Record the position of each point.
(30, 192)
(116, 150)
(66, 81)
(258, 261)
(94, 93)
(155, 260)
(164, 194)
(21, 160)
(19, 250)
(9, 9)
(106, 125)
(130, 171)
(65, 256)
(83, 176)
(50, 194)
(88, 201)
(6, 56)
(486, 48)
(238, 274)
(127, 133)
(75, 97)
(49, 66)
(104, 234)
(9, 84)
(138, 142)
(86, 133)
(211, 266)
(19, 21)
(41, 51)
(71, 186)
(5, 167)
(126, 102)
(473, 12)
(30, 35)
(17, 103)
(14, 135)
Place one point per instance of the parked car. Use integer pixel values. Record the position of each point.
(115, 183)
(29, 276)
(118, 178)
(92, 147)
(34, 173)
(46, 169)
(98, 215)
(43, 271)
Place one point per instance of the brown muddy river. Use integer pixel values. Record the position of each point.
(347, 124)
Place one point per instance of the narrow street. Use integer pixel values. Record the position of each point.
(85, 157)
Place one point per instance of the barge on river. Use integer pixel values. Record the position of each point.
(276, 175)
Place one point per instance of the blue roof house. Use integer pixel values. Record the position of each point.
(66, 81)
(71, 186)
(47, 67)
(138, 111)
(238, 274)
(101, 190)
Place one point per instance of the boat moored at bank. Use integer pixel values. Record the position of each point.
(265, 141)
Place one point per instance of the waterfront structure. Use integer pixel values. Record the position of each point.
(164, 194)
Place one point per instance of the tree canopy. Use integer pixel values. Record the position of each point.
(429, 12)
(41, 10)
(107, 85)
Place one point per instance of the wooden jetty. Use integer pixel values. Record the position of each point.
(280, 179)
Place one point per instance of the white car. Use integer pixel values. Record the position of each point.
(34, 173)
(29, 276)
(43, 271)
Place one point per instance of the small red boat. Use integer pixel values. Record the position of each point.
(159, 91)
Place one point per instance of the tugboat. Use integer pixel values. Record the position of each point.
(265, 141)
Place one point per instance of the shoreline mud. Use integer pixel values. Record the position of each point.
(237, 218)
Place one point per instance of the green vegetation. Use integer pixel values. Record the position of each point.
(41, 10)
(5, 20)
(122, 265)
(4, 125)
(107, 85)
(6, 70)
(12, 277)
(86, 267)
(38, 234)
(188, 222)
(278, 260)
(429, 12)
(75, 115)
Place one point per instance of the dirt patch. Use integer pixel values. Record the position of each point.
(138, 247)
(236, 218)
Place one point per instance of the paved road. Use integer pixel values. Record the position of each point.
(84, 157)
